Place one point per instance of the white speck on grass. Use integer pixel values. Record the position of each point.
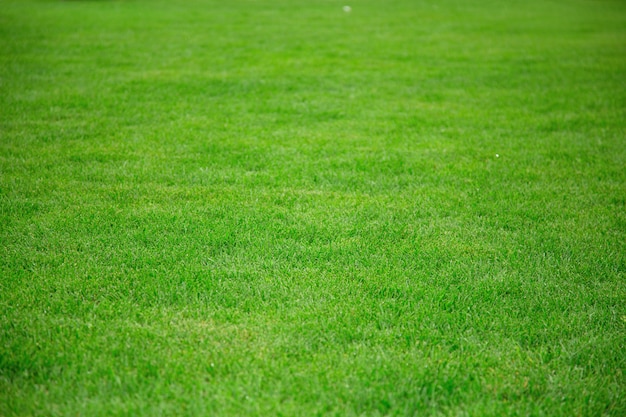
(347, 9)
(497, 156)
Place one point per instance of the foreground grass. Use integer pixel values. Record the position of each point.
(261, 208)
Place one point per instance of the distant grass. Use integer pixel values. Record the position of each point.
(278, 208)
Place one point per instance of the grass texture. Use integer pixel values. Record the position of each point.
(282, 208)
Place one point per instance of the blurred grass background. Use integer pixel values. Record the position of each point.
(254, 207)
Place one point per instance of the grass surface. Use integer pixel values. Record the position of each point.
(279, 208)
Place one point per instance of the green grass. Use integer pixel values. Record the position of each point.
(279, 208)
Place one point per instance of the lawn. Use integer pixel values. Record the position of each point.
(415, 208)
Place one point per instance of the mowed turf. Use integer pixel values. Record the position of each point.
(280, 208)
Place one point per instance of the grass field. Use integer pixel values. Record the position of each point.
(280, 208)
